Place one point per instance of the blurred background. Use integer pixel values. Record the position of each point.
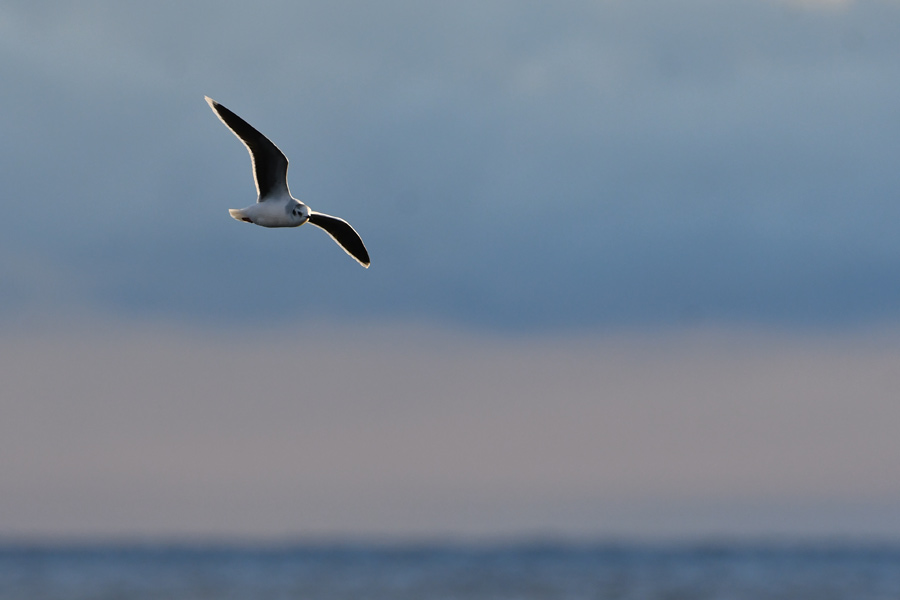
(635, 271)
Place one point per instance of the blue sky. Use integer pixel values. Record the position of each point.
(510, 165)
(634, 269)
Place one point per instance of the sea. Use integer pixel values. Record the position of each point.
(444, 571)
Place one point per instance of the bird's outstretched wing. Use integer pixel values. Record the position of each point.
(341, 232)
(269, 163)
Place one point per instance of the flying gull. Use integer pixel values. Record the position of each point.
(275, 207)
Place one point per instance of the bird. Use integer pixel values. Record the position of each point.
(275, 207)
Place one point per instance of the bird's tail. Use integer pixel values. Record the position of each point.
(238, 214)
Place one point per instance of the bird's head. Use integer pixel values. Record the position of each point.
(299, 213)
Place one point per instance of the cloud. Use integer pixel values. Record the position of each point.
(821, 4)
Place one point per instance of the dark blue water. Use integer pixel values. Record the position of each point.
(720, 572)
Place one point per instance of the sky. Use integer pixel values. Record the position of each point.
(634, 270)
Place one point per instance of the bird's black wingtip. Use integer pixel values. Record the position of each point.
(360, 254)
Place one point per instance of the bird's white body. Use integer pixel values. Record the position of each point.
(283, 211)
(275, 207)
